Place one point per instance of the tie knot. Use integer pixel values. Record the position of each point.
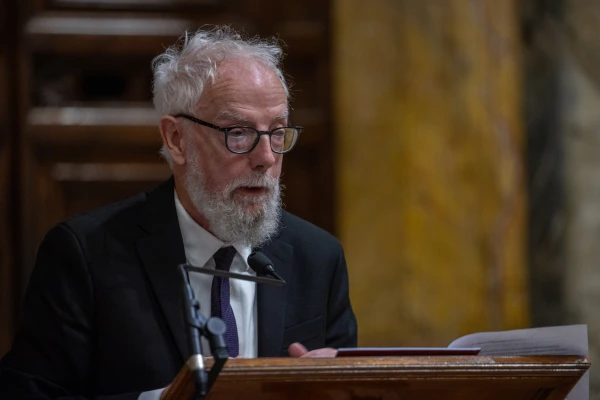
(223, 258)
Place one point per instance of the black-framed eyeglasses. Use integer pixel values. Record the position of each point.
(243, 139)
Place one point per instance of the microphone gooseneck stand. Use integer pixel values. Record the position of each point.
(212, 329)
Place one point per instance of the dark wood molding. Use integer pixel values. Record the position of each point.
(9, 250)
(132, 5)
(126, 126)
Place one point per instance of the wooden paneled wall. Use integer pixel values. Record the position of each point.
(431, 201)
(90, 136)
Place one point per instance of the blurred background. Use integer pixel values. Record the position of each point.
(452, 146)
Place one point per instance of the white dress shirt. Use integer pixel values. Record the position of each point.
(200, 246)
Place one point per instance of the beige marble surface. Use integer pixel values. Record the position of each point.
(430, 194)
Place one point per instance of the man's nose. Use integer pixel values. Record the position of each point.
(262, 155)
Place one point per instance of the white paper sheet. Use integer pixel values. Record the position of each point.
(557, 340)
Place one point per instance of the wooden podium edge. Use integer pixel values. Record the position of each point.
(357, 369)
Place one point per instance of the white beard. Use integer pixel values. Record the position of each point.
(227, 216)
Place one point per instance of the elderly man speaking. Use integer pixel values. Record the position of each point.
(103, 314)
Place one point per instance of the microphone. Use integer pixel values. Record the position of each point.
(262, 265)
(274, 279)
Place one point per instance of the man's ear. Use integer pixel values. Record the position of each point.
(172, 137)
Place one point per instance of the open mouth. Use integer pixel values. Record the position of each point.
(252, 190)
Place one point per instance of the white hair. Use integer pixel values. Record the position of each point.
(183, 70)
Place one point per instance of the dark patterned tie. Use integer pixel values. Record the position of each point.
(220, 305)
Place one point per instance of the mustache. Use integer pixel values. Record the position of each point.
(255, 180)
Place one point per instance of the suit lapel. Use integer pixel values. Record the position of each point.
(272, 300)
(161, 251)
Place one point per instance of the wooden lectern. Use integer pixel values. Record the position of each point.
(435, 377)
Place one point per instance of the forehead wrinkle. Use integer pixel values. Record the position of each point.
(230, 114)
(233, 115)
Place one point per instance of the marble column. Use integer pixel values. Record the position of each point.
(431, 185)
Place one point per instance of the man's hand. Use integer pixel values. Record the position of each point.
(298, 350)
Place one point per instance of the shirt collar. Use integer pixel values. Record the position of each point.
(199, 244)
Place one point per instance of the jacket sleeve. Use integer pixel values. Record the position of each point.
(51, 357)
(342, 330)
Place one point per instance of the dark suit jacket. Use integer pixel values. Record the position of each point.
(103, 311)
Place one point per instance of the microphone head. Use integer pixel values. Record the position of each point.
(260, 263)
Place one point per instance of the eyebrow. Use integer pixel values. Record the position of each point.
(284, 115)
(239, 118)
